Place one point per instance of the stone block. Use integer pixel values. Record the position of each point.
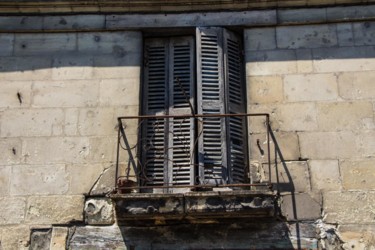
(105, 182)
(357, 236)
(46, 150)
(300, 207)
(317, 87)
(118, 43)
(119, 92)
(44, 43)
(340, 116)
(73, 93)
(74, 22)
(325, 175)
(72, 67)
(257, 124)
(59, 238)
(286, 141)
(31, 122)
(344, 59)
(356, 85)
(15, 94)
(79, 185)
(103, 149)
(25, 68)
(13, 210)
(15, 237)
(10, 149)
(98, 121)
(111, 67)
(38, 180)
(103, 121)
(358, 175)
(345, 34)
(99, 211)
(290, 16)
(307, 36)
(366, 144)
(344, 13)
(40, 239)
(285, 117)
(54, 209)
(264, 89)
(364, 33)
(6, 44)
(327, 145)
(12, 23)
(105, 237)
(4, 180)
(260, 39)
(304, 61)
(349, 207)
(293, 176)
(274, 62)
(71, 121)
(297, 117)
(302, 229)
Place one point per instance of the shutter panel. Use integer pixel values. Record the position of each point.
(237, 146)
(181, 96)
(154, 141)
(210, 90)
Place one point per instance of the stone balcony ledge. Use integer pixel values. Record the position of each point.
(193, 207)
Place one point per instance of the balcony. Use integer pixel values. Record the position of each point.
(168, 171)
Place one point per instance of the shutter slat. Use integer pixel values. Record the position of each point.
(182, 92)
(155, 102)
(210, 79)
(237, 146)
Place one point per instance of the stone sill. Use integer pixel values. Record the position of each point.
(193, 207)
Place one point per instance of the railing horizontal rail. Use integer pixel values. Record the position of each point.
(188, 116)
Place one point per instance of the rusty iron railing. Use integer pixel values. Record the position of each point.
(126, 182)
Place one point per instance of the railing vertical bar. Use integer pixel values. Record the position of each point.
(268, 149)
(118, 150)
(276, 167)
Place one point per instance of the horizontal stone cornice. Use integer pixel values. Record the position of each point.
(155, 6)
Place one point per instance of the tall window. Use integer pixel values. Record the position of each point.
(194, 75)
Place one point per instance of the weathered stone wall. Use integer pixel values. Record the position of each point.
(317, 83)
(60, 96)
(61, 93)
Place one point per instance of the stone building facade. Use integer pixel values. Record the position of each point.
(69, 69)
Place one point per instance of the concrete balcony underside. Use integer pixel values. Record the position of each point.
(156, 6)
(192, 207)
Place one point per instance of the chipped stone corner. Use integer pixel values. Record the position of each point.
(99, 211)
(105, 182)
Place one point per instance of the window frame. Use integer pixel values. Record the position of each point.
(199, 171)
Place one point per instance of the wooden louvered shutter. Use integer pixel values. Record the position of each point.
(154, 139)
(181, 96)
(168, 156)
(234, 94)
(210, 89)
